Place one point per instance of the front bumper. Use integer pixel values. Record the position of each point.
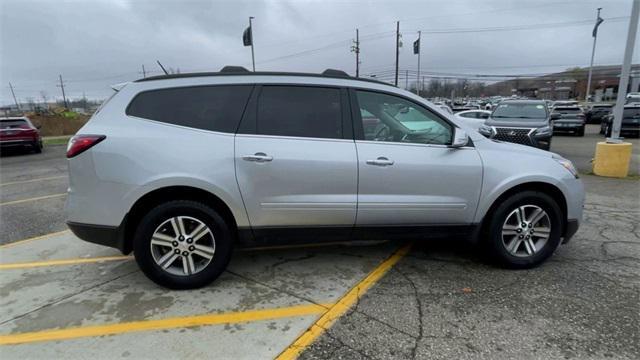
(111, 236)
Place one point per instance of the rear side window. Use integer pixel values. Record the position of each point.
(14, 124)
(300, 111)
(215, 108)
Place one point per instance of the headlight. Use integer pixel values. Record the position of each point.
(485, 130)
(567, 164)
(545, 130)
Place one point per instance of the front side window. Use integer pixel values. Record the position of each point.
(394, 119)
(300, 111)
(215, 108)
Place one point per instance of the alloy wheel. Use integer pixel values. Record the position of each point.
(526, 230)
(183, 245)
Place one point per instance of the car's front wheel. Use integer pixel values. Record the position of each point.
(524, 230)
(182, 244)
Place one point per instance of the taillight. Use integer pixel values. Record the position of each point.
(81, 143)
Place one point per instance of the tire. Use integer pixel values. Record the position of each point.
(178, 272)
(37, 147)
(580, 132)
(497, 246)
(607, 130)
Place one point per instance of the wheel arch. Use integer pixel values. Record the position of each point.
(161, 195)
(553, 191)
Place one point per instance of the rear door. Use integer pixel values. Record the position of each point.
(296, 160)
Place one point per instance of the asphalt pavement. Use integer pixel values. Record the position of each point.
(64, 298)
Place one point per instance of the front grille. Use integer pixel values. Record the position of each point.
(514, 135)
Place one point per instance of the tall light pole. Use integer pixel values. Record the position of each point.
(419, 45)
(599, 20)
(397, 51)
(626, 68)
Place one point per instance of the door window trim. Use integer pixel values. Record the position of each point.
(358, 129)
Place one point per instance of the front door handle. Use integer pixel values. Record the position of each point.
(258, 157)
(381, 161)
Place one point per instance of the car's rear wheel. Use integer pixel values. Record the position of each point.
(37, 147)
(182, 244)
(607, 130)
(580, 131)
(524, 230)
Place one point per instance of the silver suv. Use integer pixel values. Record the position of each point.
(181, 168)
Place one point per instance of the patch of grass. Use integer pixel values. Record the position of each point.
(55, 140)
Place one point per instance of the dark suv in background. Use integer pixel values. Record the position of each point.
(597, 112)
(630, 121)
(526, 122)
(572, 119)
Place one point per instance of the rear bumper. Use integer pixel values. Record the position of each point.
(111, 236)
(20, 142)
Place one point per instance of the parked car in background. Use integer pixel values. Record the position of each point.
(20, 132)
(597, 112)
(526, 122)
(633, 97)
(297, 164)
(630, 121)
(565, 103)
(444, 107)
(572, 119)
(473, 118)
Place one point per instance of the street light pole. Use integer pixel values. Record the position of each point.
(626, 68)
(593, 54)
(419, 53)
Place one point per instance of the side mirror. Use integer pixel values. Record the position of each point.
(556, 116)
(460, 138)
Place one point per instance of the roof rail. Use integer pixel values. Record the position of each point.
(234, 69)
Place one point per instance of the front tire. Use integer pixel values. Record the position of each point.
(183, 244)
(524, 230)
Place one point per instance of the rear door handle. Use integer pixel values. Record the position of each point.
(381, 161)
(257, 157)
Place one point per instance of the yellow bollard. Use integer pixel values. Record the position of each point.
(612, 159)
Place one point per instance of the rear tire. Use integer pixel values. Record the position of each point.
(180, 257)
(607, 131)
(37, 147)
(514, 246)
(580, 132)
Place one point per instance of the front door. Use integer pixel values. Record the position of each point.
(407, 173)
(295, 169)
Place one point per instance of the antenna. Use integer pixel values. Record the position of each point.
(162, 67)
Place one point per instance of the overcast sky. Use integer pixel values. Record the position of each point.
(94, 44)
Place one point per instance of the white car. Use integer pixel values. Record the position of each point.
(473, 118)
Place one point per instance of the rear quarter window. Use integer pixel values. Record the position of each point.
(215, 108)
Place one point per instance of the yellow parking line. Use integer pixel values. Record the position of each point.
(341, 307)
(23, 241)
(27, 265)
(33, 180)
(170, 323)
(32, 199)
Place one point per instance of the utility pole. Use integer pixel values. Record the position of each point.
(253, 58)
(626, 67)
(593, 53)
(356, 49)
(144, 72)
(406, 79)
(64, 97)
(397, 50)
(14, 96)
(419, 52)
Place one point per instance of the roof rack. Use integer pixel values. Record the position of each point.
(239, 70)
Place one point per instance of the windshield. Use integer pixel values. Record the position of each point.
(568, 111)
(13, 124)
(520, 111)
